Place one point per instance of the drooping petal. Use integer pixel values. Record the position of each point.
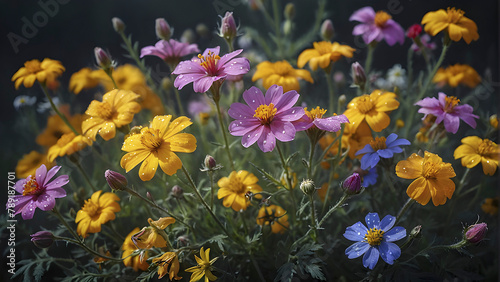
(148, 167)
(370, 258)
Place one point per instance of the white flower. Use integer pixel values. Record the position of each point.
(23, 101)
(45, 105)
(396, 76)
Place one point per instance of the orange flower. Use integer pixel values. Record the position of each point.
(68, 144)
(432, 178)
(57, 128)
(83, 79)
(457, 74)
(282, 74)
(128, 248)
(234, 188)
(46, 71)
(96, 211)
(323, 54)
(453, 22)
(275, 216)
(475, 150)
(490, 206)
(29, 163)
(168, 263)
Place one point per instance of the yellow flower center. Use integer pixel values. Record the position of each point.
(282, 68)
(106, 111)
(450, 103)
(323, 47)
(31, 188)
(430, 170)
(364, 104)
(151, 139)
(265, 113)
(209, 62)
(378, 143)
(486, 147)
(65, 139)
(315, 113)
(236, 185)
(91, 208)
(454, 15)
(381, 18)
(33, 66)
(374, 236)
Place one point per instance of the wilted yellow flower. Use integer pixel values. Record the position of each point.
(204, 267)
(29, 163)
(46, 71)
(234, 188)
(323, 54)
(128, 248)
(475, 150)
(67, 145)
(457, 74)
(282, 74)
(453, 22)
(275, 216)
(150, 237)
(168, 263)
(96, 211)
(83, 79)
(490, 206)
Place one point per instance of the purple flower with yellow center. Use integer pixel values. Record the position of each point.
(209, 68)
(314, 118)
(375, 241)
(38, 191)
(265, 118)
(380, 147)
(447, 109)
(170, 51)
(377, 26)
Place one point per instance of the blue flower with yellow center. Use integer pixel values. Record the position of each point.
(380, 147)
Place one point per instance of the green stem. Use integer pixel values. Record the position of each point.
(257, 268)
(313, 217)
(462, 181)
(288, 179)
(45, 91)
(82, 171)
(223, 129)
(404, 209)
(277, 27)
(369, 57)
(109, 72)
(179, 103)
(332, 209)
(331, 89)
(212, 189)
(312, 148)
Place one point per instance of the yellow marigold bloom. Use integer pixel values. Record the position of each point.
(116, 110)
(57, 128)
(29, 163)
(490, 206)
(432, 178)
(323, 54)
(453, 22)
(128, 248)
(457, 74)
(234, 188)
(67, 145)
(83, 79)
(157, 144)
(282, 74)
(204, 267)
(150, 237)
(373, 108)
(46, 71)
(275, 216)
(168, 263)
(475, 150)
(96, 211)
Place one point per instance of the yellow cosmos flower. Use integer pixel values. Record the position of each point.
(282, 74)
(156, 145)
(96, 211)
(128, 248)
(275, 216)
(168, 263)
(373, 108)
(457, 74)
(432, 178)
(204, 267)
(116, 110)
(475, 150)
(234, 188)
(46, 71)
(150, 237)
(83, 79)
(29, 163)
(323, 54)
(453, 22)
(490, 206)
(67, 145)
(353, 140)
(57, 128)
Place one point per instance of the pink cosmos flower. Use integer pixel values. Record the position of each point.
(265, 119)
(209, 68)
(446, 108)
(426, 41)
(170, 51)
(38, 191)
(377, 26)
(314, 118)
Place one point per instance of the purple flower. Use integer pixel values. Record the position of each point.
(265, 119)
(370, 177)
(426, 42)
(38, 191)
(446, 109)
(170, 51)
(314, 117)
(352, 184)
(377, 26)
(476, 233)
(209, 68)
(380, 147)
(374, 241)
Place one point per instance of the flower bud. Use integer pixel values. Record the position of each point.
(475, 233)
(177, 192)
(202, 30)
(118, 24)
(188, 36)
(163, 30)
(342, 100)
(352, 184)
(42, 239)
(289, 11)
(210, 162)
(415, 232)
(228, 29)
(414, 31)
(116, 181)
(494, 121)
(166, 83)
(307, 186)
(358, 74)
(103, 59)
(327, 30)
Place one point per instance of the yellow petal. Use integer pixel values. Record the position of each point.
(419, 191)
(410, 168)
(148, 167)
(132, 159)
(169, 162)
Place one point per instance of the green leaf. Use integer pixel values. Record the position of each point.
(268, 176)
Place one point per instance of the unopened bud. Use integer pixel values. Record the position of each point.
(228, 29)
(415, 232)
(358, 74)
(177, 192)
(116, 181)
(289, 11)
(287, 27)
(166, 83)
(307, 186)
(188, 36)
(476, 233)
(103, 59)
(414, 31)
(342, 100)
(118, 24)
(42, 239)
(352, 184)
(163, 30)
(202, 30)
(210, 162)
(494, 121)
(327, 30)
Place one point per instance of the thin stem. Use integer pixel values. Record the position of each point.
(288, 178)
(312, 148)
(313, 217)
(332, 209)
(82, 171)
(404, 209)
(54, 108)
(109, 72)
(212, 189)
(331, 89)
(179, 102)
(256, 265)
(462, 181)
(277, 23)
(223, 129)
(369, 57)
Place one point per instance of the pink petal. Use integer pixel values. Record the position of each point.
(242, 126)
(451, 123)
(254, 97)
(189, 67)
(203, 84)
(267, 140)
(184, 79)
(58, 182)
(41, 173)
(393, 33)
(45, 202)
(224, 59)
(51, 173)
(287, 101)
(240, 111)
(56, 192)
(292, 114)
(284, 131)
(152, 51)
(238, 66)
(273, 95)
(252, 136)
(365, 14)
(28, 210)
(215, 50)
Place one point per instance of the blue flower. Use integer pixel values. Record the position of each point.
(381, 147)
(370, 178)
(375, 241)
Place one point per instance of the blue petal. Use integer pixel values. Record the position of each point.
(389, 252)
(370, 178)
(399, 142)
(385, 153)
(395, 150)
(366, 149)
(397, 233)
(370, 160)
(387, 223)
(390, 139)
(356, 232)
(370, 258)
(372, 220)
(357, 249)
